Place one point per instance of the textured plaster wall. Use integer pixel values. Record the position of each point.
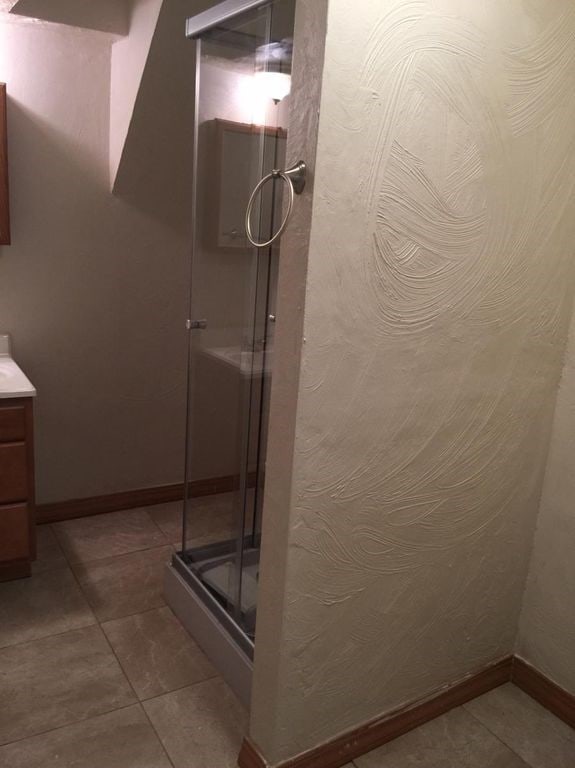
(93, 289)
(439, 289)
(547, 627)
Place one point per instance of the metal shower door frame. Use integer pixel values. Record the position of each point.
(225, 11)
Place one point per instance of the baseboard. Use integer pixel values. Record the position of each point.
(359, 741)
(546, 692)
(143, 497)
(17, 569)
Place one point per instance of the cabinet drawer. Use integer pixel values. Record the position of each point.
(14, 533)
(12, 424)
(13, 473)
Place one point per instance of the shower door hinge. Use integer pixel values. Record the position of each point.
(195, 325)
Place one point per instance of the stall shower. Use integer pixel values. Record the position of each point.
(245, 188)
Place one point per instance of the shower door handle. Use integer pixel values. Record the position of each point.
(295, 179)
(196, 325)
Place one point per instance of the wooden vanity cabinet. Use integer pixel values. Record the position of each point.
(17, 512)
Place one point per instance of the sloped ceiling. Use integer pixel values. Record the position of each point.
(129, 57)
(112, 16)
(152, 93)
(151, 81)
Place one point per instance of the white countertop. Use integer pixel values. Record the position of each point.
(13, 382)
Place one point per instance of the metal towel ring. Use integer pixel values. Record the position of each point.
(295, 179)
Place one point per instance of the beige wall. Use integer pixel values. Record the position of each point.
(438, 296)
(547, 627)
(93, 289)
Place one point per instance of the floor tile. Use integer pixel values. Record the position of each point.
(47, 603)
(541, 739)
(57, 681)
(109, 535)
(454, 740)
(121, 739)
(200, 726)
(50, 554)
(168, 517)
(156, 652)
(120, 586)
(210, 519)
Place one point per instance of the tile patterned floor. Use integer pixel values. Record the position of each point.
(97, 672)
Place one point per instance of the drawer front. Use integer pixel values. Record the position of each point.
(12, 424)
(14, 533)
(13, 473)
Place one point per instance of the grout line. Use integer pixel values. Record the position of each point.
(159, 738)
(124, 616)
(180, 688)
(157, 525)
(99, 623)
(172, 690)
(66, 558)
(138, 701)
(131, 615)
(499, 739)
(68, 725)
(95, 623)
(54, 536)
(73, 563)
(161, 695)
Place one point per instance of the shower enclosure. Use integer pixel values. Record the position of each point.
(243, 196)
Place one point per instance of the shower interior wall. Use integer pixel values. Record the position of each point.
(222, 273)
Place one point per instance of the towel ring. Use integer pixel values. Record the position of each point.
(295, 179)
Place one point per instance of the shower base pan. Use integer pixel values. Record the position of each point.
(199, 608)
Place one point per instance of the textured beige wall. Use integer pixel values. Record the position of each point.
(547, 626)
(93, 289)
(310, 32)
(440, 280)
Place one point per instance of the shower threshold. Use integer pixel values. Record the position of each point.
(218, 575)
(197, 588)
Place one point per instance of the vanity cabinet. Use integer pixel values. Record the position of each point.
(17, 518)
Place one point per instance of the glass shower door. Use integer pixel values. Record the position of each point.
(242, 98)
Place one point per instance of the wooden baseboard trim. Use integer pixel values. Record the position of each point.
(143, 497)
(546, 692)
(250, 756)
(17, 569)
(358, 742)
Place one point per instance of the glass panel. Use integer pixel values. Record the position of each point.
(243, 76)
